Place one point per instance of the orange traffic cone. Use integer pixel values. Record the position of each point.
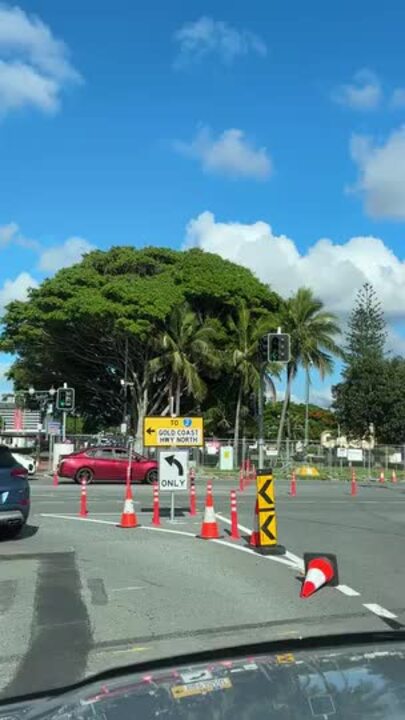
(394, 477)
(193, 504)
(128, 517)
(241, 479)
(254, 540)
(382, 478)
(83, 500)
(320, 571)
(55, 479)
(209, 527)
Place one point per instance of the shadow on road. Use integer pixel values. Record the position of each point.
(10, 533)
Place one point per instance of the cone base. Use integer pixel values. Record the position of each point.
(270, 550)
(210, 534)
(128, 523)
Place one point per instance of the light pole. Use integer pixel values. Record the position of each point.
(307, 385)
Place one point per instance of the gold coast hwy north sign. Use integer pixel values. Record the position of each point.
(178, 431)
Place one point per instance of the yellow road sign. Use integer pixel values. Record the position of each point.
(266, 509)
(169, 431)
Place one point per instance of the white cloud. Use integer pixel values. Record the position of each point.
(364, 93)
(71, 252)
(334, 271)
(16, 289)
(34, 65)
(381, 174)
(10, 235)
(206, 36)
(398, 98)
(230, 154)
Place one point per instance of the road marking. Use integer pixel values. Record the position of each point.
(241, 527)
(380, 611)
(72, 517)
(130, 587)
(346, 590)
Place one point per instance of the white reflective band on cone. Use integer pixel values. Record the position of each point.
(315, 576)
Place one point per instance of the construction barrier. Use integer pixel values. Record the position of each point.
(264, 536)
(193, 501)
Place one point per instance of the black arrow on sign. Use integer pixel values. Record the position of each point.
(263, 492)
(173, 461)
(150, 431)
(265, 527)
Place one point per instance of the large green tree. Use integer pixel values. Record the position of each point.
(313, 332)
(77, 325)
(360, 398)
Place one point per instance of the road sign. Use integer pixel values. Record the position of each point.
(178, 431)
(266, 511)
(355, 455)
(54, 427)
(173, 470)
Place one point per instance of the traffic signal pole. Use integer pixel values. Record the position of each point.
(64, 415)
(260, 441)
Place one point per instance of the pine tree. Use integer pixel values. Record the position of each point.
(366, 334)
(360, 399)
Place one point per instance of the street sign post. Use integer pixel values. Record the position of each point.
(173, 432)
(173, 474)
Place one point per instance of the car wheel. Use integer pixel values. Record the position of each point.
(151, 477)
(84, 474)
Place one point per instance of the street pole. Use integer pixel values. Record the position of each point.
(260, 442)
(64, 415)
(125, 409)
(306, 410)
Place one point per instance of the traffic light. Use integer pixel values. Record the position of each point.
(264, 347)
(65, 399)
(279, 347)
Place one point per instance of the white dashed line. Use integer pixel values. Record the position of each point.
(346, 590)
(380, 611)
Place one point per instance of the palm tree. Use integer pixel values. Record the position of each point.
(312, 331)
(246, 328)
(185, 345)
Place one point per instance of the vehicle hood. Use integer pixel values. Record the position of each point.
(351, 682)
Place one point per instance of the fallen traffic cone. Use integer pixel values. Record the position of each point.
(353, 489)
(293, 485)
(128, 517)
(319, 571)
(156, 509)
(254, 540)
(394, 477)
(382, 478)
(235, 534)
(209, 527)
(83, 500)
(55, 479)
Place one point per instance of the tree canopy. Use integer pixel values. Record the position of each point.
(75, 327)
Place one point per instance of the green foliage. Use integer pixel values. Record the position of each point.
(360, 399)
(313, 333)
(320, 420)
(75, 327)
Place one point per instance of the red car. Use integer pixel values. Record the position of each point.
(107, 464)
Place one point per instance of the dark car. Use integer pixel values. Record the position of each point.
(14, 493)
(109, 464)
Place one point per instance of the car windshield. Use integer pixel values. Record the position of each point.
(202, 371)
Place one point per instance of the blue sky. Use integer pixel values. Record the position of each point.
(270, 132)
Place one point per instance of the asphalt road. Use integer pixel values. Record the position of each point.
(78, 596)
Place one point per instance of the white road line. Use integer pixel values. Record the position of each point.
(226, 520)
(131, 587)
(73, 517)
(379, 610)
(346, 590)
